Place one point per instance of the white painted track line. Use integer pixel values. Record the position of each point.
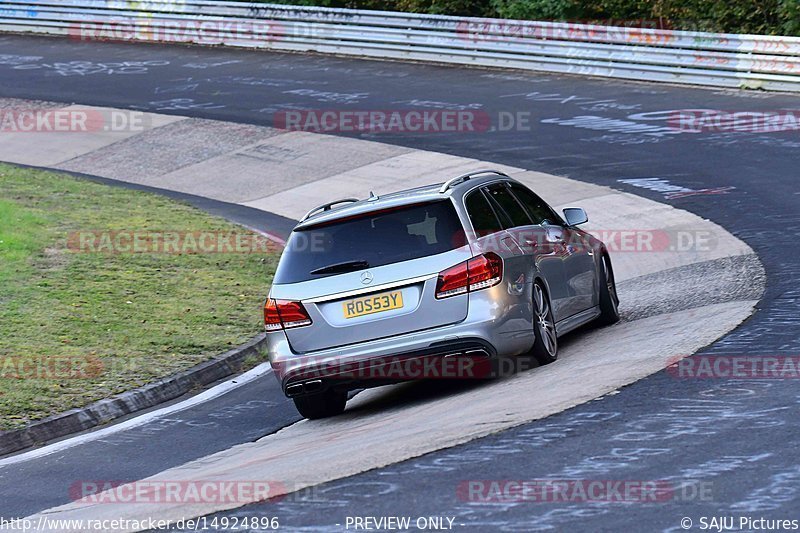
(223, 388)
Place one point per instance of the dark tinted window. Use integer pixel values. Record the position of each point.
(516, 215)
(377, 239)
(483, 219)
(538, 209)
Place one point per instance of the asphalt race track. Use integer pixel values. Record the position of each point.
(735, 439)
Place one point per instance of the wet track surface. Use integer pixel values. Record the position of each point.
(734, 436)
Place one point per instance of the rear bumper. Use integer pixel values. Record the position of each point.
(467, 359)
(456, 351)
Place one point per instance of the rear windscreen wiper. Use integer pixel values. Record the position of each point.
(347, 266)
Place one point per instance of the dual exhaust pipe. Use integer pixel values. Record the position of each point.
(308, 387)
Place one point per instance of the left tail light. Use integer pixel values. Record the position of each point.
(284, 314)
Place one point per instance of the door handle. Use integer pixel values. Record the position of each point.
(532, 244)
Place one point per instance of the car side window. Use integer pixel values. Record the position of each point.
(483, 218)
(540, 212)
(509, 205)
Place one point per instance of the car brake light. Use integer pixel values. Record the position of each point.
(475, 274)
(284, 314)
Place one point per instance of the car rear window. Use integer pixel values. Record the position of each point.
(379, 238)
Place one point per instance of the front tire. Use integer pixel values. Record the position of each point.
(609, 301)
(321, 405)
(545, 347)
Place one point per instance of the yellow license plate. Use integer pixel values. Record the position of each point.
(373, 304)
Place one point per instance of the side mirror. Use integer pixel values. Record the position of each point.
(575, 216)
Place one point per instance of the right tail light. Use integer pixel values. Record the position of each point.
(478, 273)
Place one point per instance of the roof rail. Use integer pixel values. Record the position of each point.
(465, 177)
(327, 207)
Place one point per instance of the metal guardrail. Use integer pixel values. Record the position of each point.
(712, 59)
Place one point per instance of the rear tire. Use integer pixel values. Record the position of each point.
(609, 301)
(545, 347)
(321, 405)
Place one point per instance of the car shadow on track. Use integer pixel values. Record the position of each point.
(392, 397)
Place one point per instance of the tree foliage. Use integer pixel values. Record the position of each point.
(776, 17)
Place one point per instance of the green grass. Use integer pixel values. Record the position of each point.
(133, 317)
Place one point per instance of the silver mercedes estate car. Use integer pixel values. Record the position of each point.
(423, 283)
